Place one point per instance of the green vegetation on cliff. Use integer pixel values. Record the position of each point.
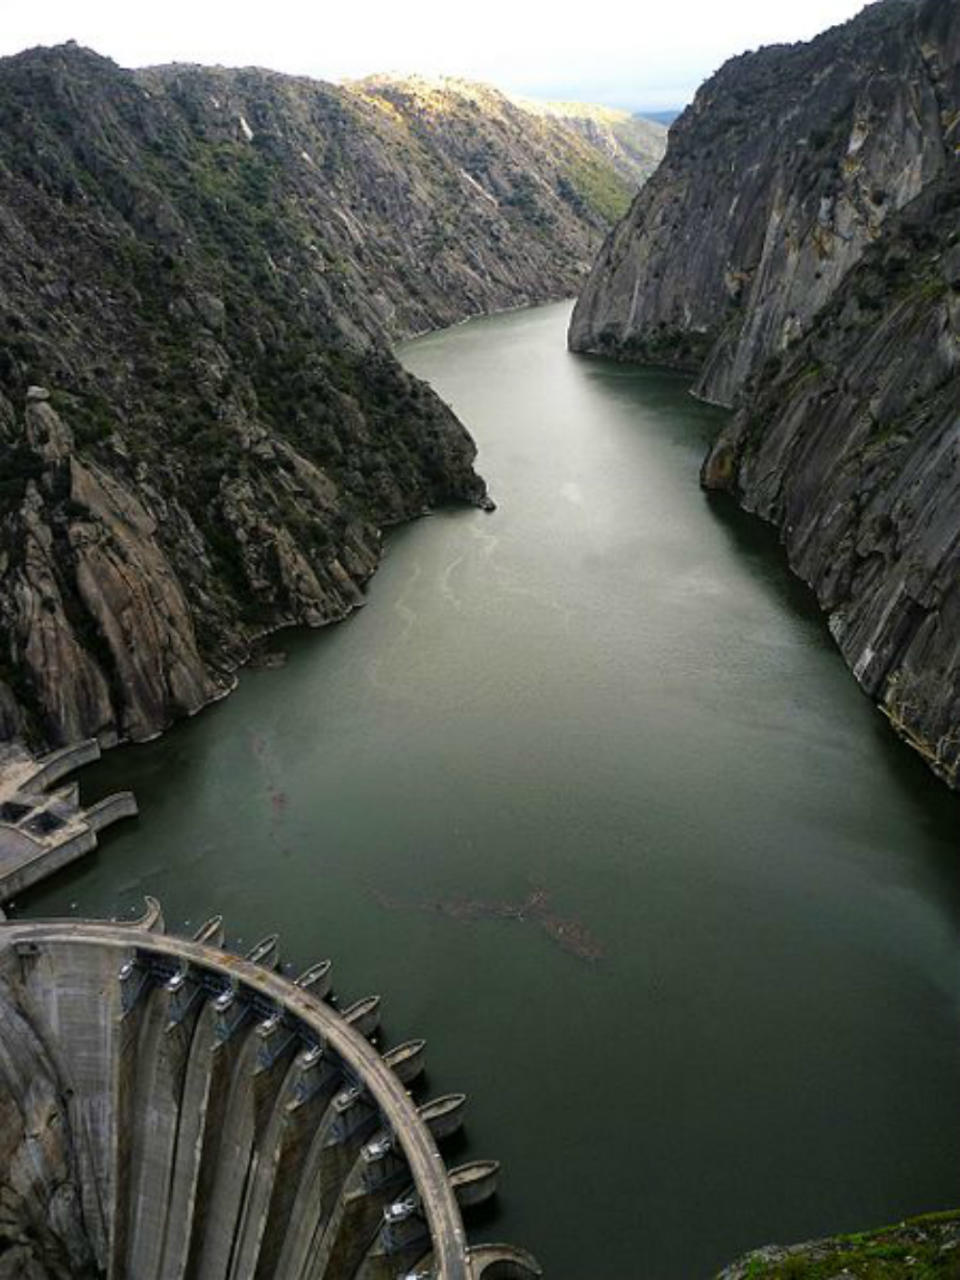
(202, 429)
(924, 1248)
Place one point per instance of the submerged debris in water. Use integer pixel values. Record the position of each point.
(264, 755)
(570, 934)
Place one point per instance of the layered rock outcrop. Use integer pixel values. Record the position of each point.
(42, 1234)
(202, 430)
(819, 295)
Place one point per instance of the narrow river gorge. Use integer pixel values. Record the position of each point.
(587, 795)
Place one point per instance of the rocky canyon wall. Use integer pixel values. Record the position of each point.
(797, 251)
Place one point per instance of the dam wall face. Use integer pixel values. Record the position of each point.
(170, 1111)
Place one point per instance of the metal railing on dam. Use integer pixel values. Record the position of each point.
(188, 1113)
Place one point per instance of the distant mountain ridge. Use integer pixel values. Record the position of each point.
(665, 118)
(635, 144)
(575, 143)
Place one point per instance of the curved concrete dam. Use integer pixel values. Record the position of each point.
(588, 795)
(170, 1110)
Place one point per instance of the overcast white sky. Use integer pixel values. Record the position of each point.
(625, 52)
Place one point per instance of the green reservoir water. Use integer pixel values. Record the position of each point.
(610, 691)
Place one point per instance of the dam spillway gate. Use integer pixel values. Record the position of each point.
(172, 1111)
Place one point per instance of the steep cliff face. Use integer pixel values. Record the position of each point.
(850, 447)
(202, 430)
(777, 177)
(828, 310)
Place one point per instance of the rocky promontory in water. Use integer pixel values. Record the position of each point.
(927, 1246)
(202, 429)
(797, 251)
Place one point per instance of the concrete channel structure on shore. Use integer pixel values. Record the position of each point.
(43, 829)
(171, 1110)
